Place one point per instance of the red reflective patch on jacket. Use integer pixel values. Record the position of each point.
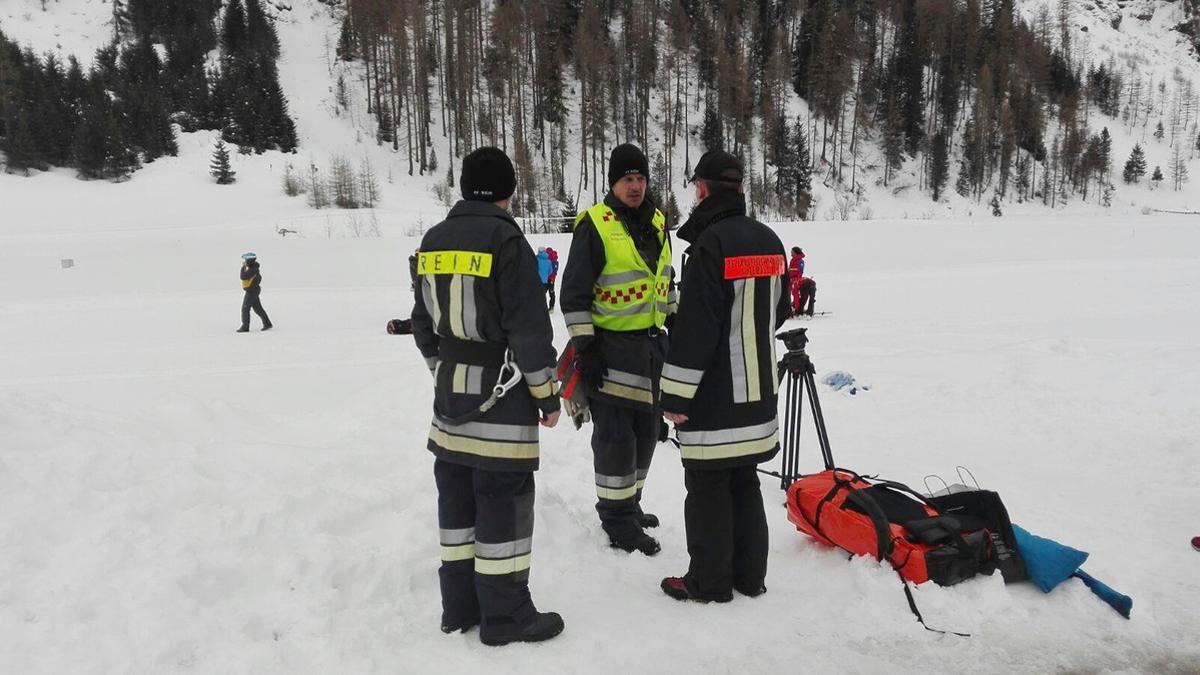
(750, 266)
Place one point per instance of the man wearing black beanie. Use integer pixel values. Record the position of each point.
(617, 295)
(479, 318)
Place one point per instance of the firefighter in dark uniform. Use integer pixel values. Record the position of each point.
(479, 318)
(252, 285)
(617, 295)
(720, 385)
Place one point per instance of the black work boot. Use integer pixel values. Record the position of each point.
(641, 542)
(543, 626)
(677, 588)
(648, 520)
(268, 326)
(244, 329)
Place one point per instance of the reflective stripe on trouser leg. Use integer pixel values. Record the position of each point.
(503, 544)
(614, 454)
(456, 525)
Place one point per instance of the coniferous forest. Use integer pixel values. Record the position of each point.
(944, 88)
(916, 96)
(107, 121)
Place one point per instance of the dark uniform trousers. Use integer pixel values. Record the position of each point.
(486, 530)
(808, 296)
(249, 302)
(726, 531)
(623, 442)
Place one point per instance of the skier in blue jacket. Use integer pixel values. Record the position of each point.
(547, 260)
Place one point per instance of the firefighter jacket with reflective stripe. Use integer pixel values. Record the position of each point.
(477, 283)
(251, 277)
(617, 291)
(724, 376)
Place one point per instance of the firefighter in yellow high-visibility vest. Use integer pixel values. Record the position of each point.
(617, 296)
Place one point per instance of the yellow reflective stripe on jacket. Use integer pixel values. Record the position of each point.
(474, 263)
(628, 294)
(727, 443)
(484, 448)
(247, 282)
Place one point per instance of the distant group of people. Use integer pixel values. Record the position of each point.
(803, 289)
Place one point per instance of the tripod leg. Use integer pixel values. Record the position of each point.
(796, 403)
(818, 419)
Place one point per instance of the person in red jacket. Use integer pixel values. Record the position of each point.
(804, 291)
(795, 276)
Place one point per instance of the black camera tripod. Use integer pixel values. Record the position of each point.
(798, 370)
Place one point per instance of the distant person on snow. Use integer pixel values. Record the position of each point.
(804, 291)
(547, 260)
(252, 284)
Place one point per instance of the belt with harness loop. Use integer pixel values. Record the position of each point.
(484, 354)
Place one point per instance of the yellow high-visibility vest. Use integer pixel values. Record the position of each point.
(628, 294)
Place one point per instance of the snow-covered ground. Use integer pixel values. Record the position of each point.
(177, 497)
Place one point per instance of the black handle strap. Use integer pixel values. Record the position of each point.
(912, 605)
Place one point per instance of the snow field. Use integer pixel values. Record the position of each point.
(181, 498)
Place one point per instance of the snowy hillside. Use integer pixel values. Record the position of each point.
(1143, 46)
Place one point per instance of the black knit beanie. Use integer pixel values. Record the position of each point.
(626, 159)
(487, 176)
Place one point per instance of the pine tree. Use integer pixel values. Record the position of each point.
(262, 39)
(19, 150)
(219, 168)
(1022, 180)
(1135, 166)
(317, 197)
(939, 165)
(345, 45)
(893, 139)
(234, 39)
(969, 164)
(1156, 178)
(1104, 154)
(671, 211)
(713, 134)
(1158, 131)
(1179, 172)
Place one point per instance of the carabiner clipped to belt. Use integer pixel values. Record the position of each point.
(503, 386)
